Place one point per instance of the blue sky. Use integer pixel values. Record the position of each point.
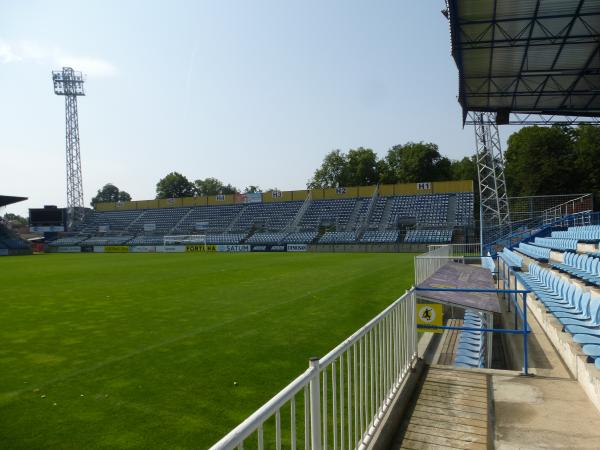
(250, 92)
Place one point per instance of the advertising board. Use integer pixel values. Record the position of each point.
(233, 248)
(69, 249)
(297, 247)
(142, 249)
(268, 248)
(170, 248)
(200, 248)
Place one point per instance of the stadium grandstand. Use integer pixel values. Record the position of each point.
(491, 342)
(419, 213)
(10, 242)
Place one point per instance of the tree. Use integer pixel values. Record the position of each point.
(174, 185)
(414, 162)
(251, 189)
(539, 161)
(332, 173)
(110, 193)
(212, 186)
(587, 156)
(15, 218)
(361, 167)
(464, 169)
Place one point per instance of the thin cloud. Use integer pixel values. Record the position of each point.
(32, 52)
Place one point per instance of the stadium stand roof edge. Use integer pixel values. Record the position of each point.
(6, 200)
(526, 56)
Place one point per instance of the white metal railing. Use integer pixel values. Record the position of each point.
(458, 249)
(340, 400)
(427, 263)
(577, 205)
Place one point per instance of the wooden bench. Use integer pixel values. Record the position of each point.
(449, 343)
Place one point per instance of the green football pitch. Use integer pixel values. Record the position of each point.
(169, 350)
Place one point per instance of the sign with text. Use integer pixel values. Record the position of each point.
(237, 248)
(200, 248)
(297, 247)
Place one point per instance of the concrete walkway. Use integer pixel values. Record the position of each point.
(540, 412)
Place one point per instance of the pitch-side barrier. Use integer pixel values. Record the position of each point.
(341, 399)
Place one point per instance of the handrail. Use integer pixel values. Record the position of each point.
(386, 347)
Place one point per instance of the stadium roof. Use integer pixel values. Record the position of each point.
(461, 276)
(527, 56)
(8, 200)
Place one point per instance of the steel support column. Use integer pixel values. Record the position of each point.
(495, 215)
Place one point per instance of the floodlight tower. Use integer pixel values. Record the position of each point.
(494, 213)
(69, 83)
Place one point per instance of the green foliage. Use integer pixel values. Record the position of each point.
(15, 218)
(252, 189)
(213, 186)
(174, 185)
(587, 158)
(414, 162)
(540, 161)
(332, 172)
(361, 167)
(110, 193)
(141, 351)
(408, 163)
(464, 169)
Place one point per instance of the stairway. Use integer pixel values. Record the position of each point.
(172, 230)
(452, 210)
(137, 219)
(352, 220)
(235, 220)
(387, 211)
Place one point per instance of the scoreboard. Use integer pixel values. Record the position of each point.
(47, 219)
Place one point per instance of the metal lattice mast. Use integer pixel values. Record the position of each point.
(494, 210)
(70, 84)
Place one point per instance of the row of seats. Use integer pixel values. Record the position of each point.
(471, 345)
(13, 243)
(338, 237)
(428, 236)
(487, 262)
(106, 240)
(556, 243)
(577, 310)
(429, 209)
(463, 214)
(584, 234)
(67, 240)
(345, 213)
(10, 240)
(380, 236)
(533, 251)
(511, 258)
(584, 267)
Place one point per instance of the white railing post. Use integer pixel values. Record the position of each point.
(315, 406)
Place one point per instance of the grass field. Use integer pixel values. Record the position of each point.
(142, 350)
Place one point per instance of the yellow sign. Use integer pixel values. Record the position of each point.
(201, 248)
(430, 314)
(116, 249)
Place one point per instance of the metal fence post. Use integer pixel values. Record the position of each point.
(526, 332)
(315, 406)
